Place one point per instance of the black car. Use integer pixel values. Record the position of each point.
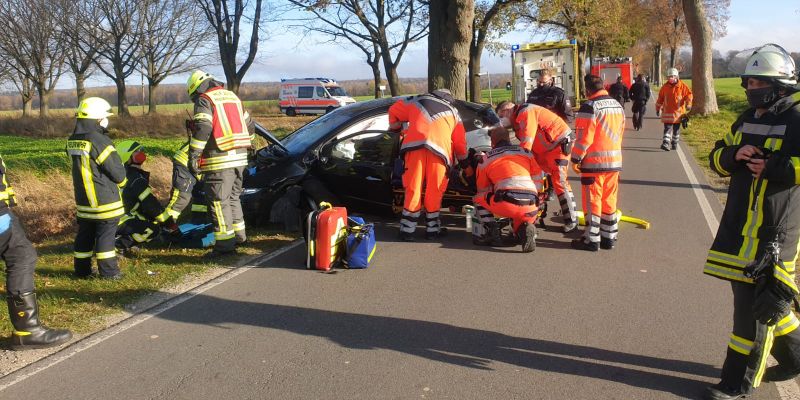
(346, 157)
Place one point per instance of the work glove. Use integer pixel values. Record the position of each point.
(194, 166)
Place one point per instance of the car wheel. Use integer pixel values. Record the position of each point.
(329, 109)
(291, 112)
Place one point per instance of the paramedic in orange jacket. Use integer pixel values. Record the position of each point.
(508, 182)
(597, 155)
(433, 136)
(549, 138)
(674, 101)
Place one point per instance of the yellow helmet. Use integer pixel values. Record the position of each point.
(196, 79)
(93, 108)
(128, 149)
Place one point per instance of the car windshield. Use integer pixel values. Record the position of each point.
(336, 91)
(300, 140)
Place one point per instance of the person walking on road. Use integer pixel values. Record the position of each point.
(597, 156)
(551, 97)
(761, 222)
(218, 149)
(20, 257)
(639, 95)
(619, 92)
(674, 101)
(97, 176)
(550, 139)
(434, 134)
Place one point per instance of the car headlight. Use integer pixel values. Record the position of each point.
(251, 191)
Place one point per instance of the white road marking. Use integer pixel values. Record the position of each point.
(787, 390)
(136, 319)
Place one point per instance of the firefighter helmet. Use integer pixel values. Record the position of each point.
(196, 79)
(672, 72)
(93, 108)
(131, 151)
(771, 62)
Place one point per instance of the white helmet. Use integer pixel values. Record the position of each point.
(773, 63)
(672, 72)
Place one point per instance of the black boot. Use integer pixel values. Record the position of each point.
(720, 392)
(779, 374)
(607, 244)
(527, 237)
(665, 146)
(29, 333)
(581, 244)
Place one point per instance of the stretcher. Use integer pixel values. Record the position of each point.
(624, 218)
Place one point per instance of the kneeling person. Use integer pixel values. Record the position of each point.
(508, 183)
(142, 209)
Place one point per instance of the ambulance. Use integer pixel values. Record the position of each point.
(528, 61)
(311, 96)
(608, 69)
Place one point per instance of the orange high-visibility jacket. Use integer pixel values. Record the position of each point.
(673, 100)
(509, 168)
(599, 125)
(538, 129)
(433, 124)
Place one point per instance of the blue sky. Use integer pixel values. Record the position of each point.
(284, 56)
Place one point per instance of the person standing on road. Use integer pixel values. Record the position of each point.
(508, 184)
(550, 139)
(761, 155)
(97, 176)
(619, 92)
(434, 134)
(639, 94)
(551, 97)
(218, 149)
(674, 101)
(20, 257)
(597, 156)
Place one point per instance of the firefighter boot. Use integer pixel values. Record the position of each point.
(527, 237)
(674, 145)
(779, 374)
(720, 392)
(582, 244)
(29, 333)
(665, 146)
(607, 244)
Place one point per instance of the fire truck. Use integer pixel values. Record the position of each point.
(609, 69)
(528, 61)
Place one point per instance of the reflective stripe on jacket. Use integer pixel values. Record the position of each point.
(754, 207)
(538, 129)
(433, 124)
(6, 191)
(138, 198)
(229, 127)
(599, 126)
(511, 168)
(97, 172)
(673, 101)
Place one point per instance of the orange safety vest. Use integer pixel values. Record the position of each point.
(433, 124)
(673, 101)
(510, 168)
(538, 129)
(599, 125)
(229, 126)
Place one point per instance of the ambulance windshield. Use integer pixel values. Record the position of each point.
(336, 91)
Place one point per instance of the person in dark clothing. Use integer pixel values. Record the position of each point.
(20, 257)
(619, 91)
(97, 176)
(639, 94)
(551, 97)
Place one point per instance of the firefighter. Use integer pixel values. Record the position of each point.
(761, 155)
(140, 224)
(640, 95)
(20, 258)
(597, 156)
(619, 92)
(550, 139)
(218, 149)
(551, 97)
(183, 184)
(434, 134)
(508, 184)
(97, 176)
(674, 101)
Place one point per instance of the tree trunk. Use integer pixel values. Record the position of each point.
(27, 105)
(657, 77)
(122, 99)
(705, 98)
(376, 76)
(80, 86)
(474, 78)
(448, 45)
(673, 51)
(391, 76)
(44, 102)
(152, 103)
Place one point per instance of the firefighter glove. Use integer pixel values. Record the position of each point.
(194, 166)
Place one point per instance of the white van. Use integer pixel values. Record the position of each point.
(312, 96)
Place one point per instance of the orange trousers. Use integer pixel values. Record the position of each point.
(425, 169)
(504, 209)
(599, 191)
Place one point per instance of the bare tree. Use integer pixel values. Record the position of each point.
(387, 26)
(225, 18)
(34, 45)
(80, 50)
(448, 44)
(705, 98)
(492, 19)
(174, 32)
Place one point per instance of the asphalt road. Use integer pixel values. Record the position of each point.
(444, 320)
